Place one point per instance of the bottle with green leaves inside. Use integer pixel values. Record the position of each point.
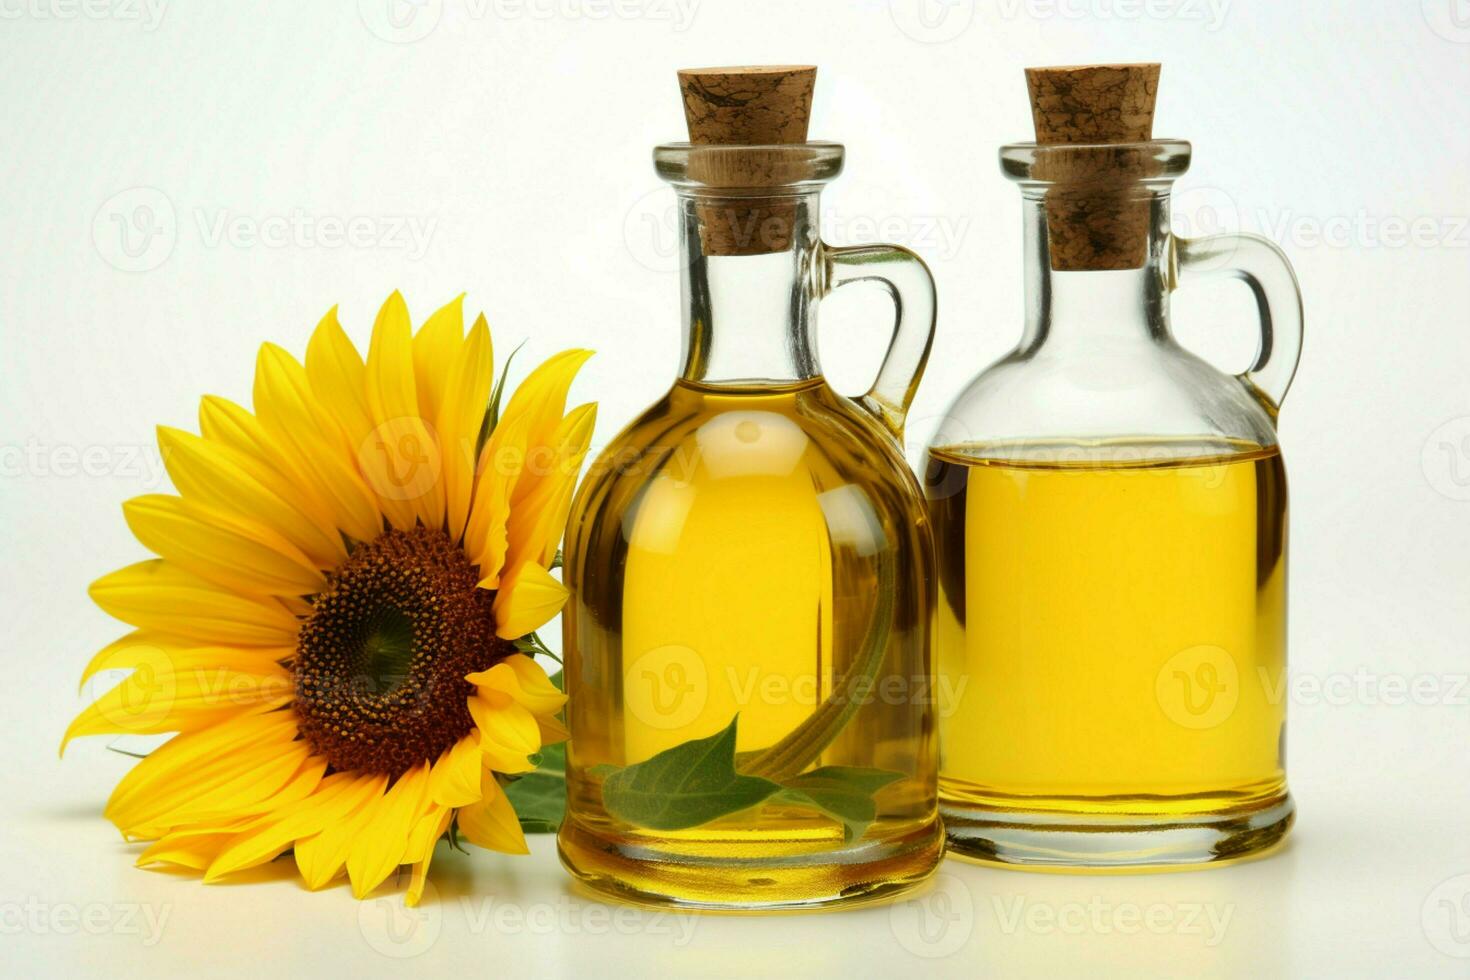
(747, 638)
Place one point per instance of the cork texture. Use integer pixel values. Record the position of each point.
(1098, 217)
(754, 106)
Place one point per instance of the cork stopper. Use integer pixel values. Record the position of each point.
(749, 105)
(1097, 216)
(755, 106)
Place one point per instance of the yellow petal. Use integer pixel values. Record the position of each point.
(254, 815)
(434, 349)
(561, 454)
(403, 444)
(225, 424)
(459, 420)
(251, 791)
(222, 477)
(295, 420)
(320, 858)
(542, 398)
(229, 551)
(338, 378)
(509, 735)
(455, 778)
(204, 753)
(333, 799)
(379, 846)
(427, 830)
(219, 787)
(522, 680)
(515, 459)
(497, 471)
(157, 698)
(143, 647)
(528, 598)
(186, 849)
(421, 867)
(158, 595)
(539, 518)
(492, 822)
(335, 371)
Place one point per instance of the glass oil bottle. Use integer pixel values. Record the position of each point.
(1110, 522)
(748, 635)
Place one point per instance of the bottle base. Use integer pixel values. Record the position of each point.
(635, 873)
(1039, 841)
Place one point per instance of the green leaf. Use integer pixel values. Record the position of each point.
(531, 645)
(540, 797)
(844, 793)
(134, 755)
(696, 782)
(690, 784)
(492, 411)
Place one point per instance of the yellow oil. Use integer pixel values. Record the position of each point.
(1111, 627)
(723, 556)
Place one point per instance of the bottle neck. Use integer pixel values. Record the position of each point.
(748, 288)
(1085, 305)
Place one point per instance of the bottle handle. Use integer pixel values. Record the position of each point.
(1262, 266)
(911, 287)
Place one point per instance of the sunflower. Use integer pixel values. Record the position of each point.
(335, 622)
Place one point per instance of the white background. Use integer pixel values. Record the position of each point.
(515, 138)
